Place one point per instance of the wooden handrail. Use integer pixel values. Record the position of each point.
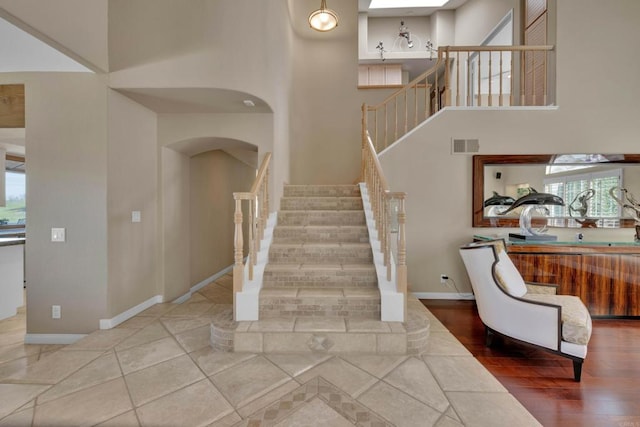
(258, 198)
(409, 85)
(380, 198)
(378, 167)
(405, 109)
(262, 172)
(507, 48)
(523, 65)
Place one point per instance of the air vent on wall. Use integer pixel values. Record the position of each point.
(462, 146)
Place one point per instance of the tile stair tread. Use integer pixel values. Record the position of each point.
(321, 244)
(320, 253)
(321, 197)
(314, 190)
(330, 217)
(317, 211)
(310, 292)
(321, 267)
(321, 233)
(320, 227)
(354, 201)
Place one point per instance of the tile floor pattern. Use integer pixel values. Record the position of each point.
(158, 369)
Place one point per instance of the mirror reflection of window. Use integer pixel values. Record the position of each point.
(601, 206)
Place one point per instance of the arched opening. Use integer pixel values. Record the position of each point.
(199, 176)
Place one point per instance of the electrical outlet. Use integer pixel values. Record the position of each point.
(444, 278)
(55, 312)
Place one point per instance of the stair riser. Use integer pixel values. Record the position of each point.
(321, 203)
(321, 218)
(356, 234)
(321, 191)
(320, 255)
(301, 280)
(367, 308)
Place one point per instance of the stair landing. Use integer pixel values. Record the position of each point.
(330, 335)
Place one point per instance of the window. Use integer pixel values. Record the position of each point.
(14, 213)
(601, 206)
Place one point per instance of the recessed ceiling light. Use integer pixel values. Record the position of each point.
(249, 103)
(397, 4)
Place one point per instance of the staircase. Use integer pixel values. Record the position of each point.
(320, 261)
(320, 287)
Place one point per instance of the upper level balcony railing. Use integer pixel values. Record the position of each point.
(465, 76)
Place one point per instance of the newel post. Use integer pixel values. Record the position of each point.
(401, 268)
(238, 241)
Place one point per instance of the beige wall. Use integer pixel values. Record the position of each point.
(386, 30)
(161, 43)
(325, 126)
(475, 19)
(175, 224)
(66, 144)
(214, 177)
(132, 186)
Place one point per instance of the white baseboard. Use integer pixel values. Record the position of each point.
(52, 338)
(443, 295)
(126, 315)
(195, 288)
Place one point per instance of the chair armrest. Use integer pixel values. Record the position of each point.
(541, 288)
(530, 321)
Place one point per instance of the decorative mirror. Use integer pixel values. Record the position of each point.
(594, 187)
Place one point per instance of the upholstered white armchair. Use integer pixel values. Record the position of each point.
(532, 314)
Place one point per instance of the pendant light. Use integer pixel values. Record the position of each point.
(323, 19)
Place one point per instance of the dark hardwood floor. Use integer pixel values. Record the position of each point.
(608, 395)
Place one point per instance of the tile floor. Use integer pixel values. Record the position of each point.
(158, 369)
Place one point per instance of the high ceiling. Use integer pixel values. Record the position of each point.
(363, 6)
(348, 15)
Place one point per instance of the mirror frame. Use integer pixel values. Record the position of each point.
(480, 161)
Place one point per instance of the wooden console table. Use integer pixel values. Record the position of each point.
(606, 276)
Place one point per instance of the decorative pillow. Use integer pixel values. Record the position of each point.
(576, 321)
(508, 276)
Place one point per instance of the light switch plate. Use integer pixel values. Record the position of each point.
(136, 216)
(58, 235)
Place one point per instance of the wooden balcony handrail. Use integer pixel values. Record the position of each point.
(526, 84)
(408, 86)
(506, 48)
